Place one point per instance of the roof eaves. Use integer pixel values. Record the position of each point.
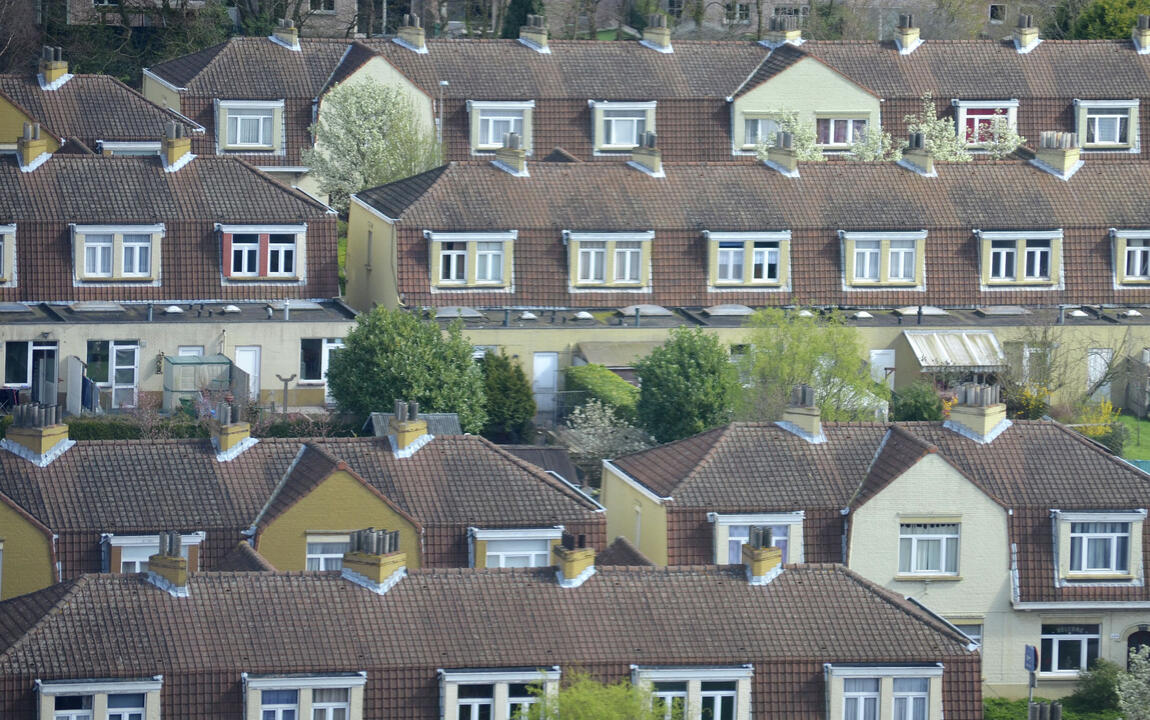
(49, 612)
(551, 479)
(635, 483)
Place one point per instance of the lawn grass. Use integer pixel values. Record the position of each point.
(1138, 446)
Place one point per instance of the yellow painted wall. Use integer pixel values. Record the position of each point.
(809, 88)
(380, 71)
(160, 94)
(340, 504)
(370, 264)
(12, 126)
(27, 561)
(621, 501)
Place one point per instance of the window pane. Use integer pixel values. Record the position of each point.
(911, 685)
(329, 695)
(311, 359)
(134, 700)
(280, 697)
(98, 357)
(858, 685)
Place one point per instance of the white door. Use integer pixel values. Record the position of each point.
(190, 351)
(124, 374)
(330, 345)
(248, 360)
(882, 366)
(546, 380)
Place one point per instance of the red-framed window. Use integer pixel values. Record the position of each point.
(261, 254)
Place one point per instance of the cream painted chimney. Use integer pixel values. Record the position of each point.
(762, 561)
(916, 158)
(534, 34)
(31, 148)
(1058, 154)
(176, 146)
(53, 67)
(1141, 35)
(230, 437)
(802, 415)
(907, 35)
(978, 414)
(408, 431)
(1026, 34)
(647, 157)
(783, 30)
(512, 157)
(657, 35)
(286, 34)
(411, 35)
(37, 434)
(374, 560)
(782, 156)
(574, 560)
(168, 569)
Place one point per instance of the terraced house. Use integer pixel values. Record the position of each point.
(75, 507)
(380, 639)
(1018, 533)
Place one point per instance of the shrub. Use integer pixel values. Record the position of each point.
(601, 384)
(295, 425)
(1027, 402)
(5, 421)
(940, 138)
(510, 402)
(128, 428)
(917, 402)
(1097, 688)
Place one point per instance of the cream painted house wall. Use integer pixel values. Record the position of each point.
(981, 591)
(370, 262)
(634, 515)
(380, 71)
(809, 88)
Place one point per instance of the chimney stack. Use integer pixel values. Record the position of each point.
(168, 569)
(230, 437)
(782, 156)
(802, 415)
(411, 35)
(31, 148)
(916, 158)
(575, 561)
(1058, 154)
(978, 413)
(534, 34)
(53, 67)
(647, 157)
(762, 561)
(374, 560)
(37, 433)
(1141, 35)
(286, 34)
(907, 36)
(657, 35)
(176, 146)
(1026, 34)
(512, 157)
(408, 430)
(783, 30)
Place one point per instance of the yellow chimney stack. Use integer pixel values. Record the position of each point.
(512, 157)
(782, 155)
(411, 35)
(374, 560)
(408, 431)
(175, 146)
(978, 414)
(907, 35)
(31, 147)
(286, 34)
(168, 569)
(763, 562)
(53, 67)
(534, 34)
(37, 434)
(647, 157)
(657, 35)
(230, 436)
(575, 561)
(802, 415)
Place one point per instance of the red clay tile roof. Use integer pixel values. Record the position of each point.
(555, 458)
(622, 552)
(244, 558)
(91, 108)
(900, 451)
(255, 68)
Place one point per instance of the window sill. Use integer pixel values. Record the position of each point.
(1121, 281)
(1022, 283)
(247, 148)
(616, 148)
(883, 284)
(122, 278)
(757, 284)
(262, 278)
(927, 578)
(1071, 675)
(311, 383)
(470, 286)
(1095, 577)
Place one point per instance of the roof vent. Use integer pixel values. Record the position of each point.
(646, 157)
(411, 35)
(286, 34)
(1026, 34)
(1141, 35)
(802, 415)
(916, 158)
(907, 35)
(374, 560)
(534, 34)
(576, 561)
(512, 157)
(657, 35)
(783, 30)
(37, 434)
(1058, 154)
(53, 68)
(978, 414)
(782, 156)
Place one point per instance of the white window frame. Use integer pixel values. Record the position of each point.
(943, 538)
(99, 259)
(1119, 108)
(466, 258)
(488, 119)
(721, 533)
(898, 258)
(544, 535)
(116, 252)
(868, 260)
(136, 712)
(910, 696)
(453, 263)
(451, 680)
(327, 561)
(1140, 252)
(49, 690)
(861, 697)
(284, 251)
(254, 685)
(1086, 538)
(1009, 108)
(599, 120)
(999, 257)
(8, 255)
(727, 256)
(593, 261)
(880, 250)
(137, 546)
(764, 126)
(886, 674)
(135, 249)
(1056, 641)
(1063, 547)
(299, 261)
(619, 125)
(768, 257)
(488, 111)
(250, 260)
(852, 131)
(1035, 254)
(1021, 253)
(694, 677)
(30, 350)
(489, 259)
(592, 245)
(628, 261)
(234, 109)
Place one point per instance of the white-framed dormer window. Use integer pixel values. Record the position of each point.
(747, 259)
(618, 126)
(250, 125)
(730, 266)
(489, 262)
(902, 264)
(137, 255)
(868, 692)
(1002, 259)
(245, 259)
(610, 260)
(334, 696)
(491, 120)
(130, 553)
(698, 693)
(592, 261)
(1037, 259)
(911, 698)
(267, 252)
(731, 532)
(928, 549)
(98, 255)
(974, 119)
(1021, 257)
(134, 699)
(628, 255)
(7, 255)
(1100, 547)
(1137, 260)
(464, 260)
(512, 547)
(281, 254)
(839, 131)
(1131, 249)
(867, 253)
(860, 698)
(453, 262)
(116, 253)
(1110, 125)
(326, 551)
(490, 694)
(875, 259)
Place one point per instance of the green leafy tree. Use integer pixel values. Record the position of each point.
(516, 16)
(876, 145)
(583, 698)
(1097, 688)
(686, 386)
(804, 140)
(368, 134)
(597, 382)
(1134, 686)
(510, 402)
(1004, 138)
(1103, 19)
(594, 432)
(916, 402)
(940, 138)
(797, 347)
(393, 355)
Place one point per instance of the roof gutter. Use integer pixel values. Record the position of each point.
(971, 646)
(389, 220)
(165, 83)
(635, 484)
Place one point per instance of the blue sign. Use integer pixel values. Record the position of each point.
(1031, 658)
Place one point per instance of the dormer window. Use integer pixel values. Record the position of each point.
(514, 547)
(620, 126)
(609, 260)
(974, 119)
(1131, 256)
(117, 699)
(489, 694)
(263, 252)
(491, 121)
(116, 253)
(1025, 258)
(1107, 124)
(471, 260)
(8, 255)
(337, 696)
(130, 553)
(250, 125)
(883, 259)
(1098, 546)
(748, 259)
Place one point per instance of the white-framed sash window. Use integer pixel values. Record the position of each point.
(1100, 547)
(137, 255)
(592, 261)
(489, 262)
(453, 262)
(335, 696)
(628, 259)
(493, 694)
(911, 698)
(250, 127)
(325, 552)
(928, 549)
(281, 254)
(839, 132)
(512, 547)
(245, 254)
(98, 255)
(1068, 648)
(867, 253)
(902, 266)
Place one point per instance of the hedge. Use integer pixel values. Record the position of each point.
(99, 428)
(601, 384)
